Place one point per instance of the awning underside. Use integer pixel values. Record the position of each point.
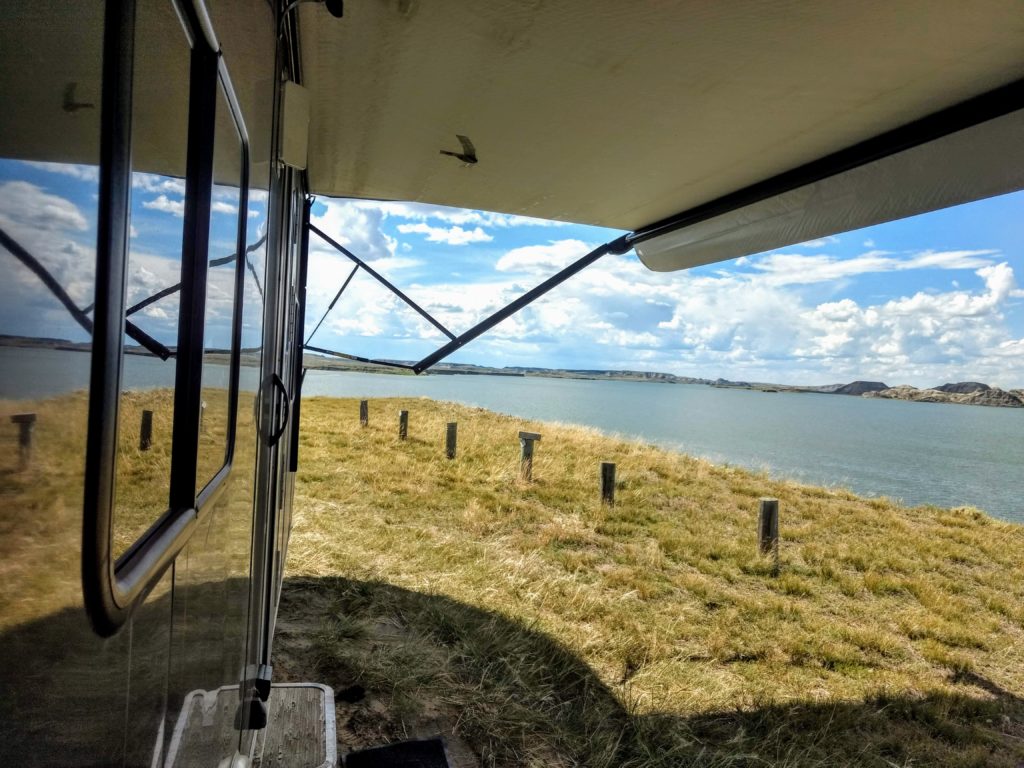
(611, 113)
(977, 162)
(621, 114)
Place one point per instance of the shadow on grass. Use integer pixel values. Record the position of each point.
(517, 697)
(408, 664)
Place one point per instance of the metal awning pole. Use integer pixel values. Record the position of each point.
(334, 300)
(615, 246)
(358, 359)
(618, 246)
(215, 263)
(383, 281)
(30, 261)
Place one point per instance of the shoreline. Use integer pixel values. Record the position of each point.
(982, 395)
(765, 472)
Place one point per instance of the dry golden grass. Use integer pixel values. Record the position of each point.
(42, 504)
(535, 627)
(42, 507)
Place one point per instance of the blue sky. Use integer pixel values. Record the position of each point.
(925, 300)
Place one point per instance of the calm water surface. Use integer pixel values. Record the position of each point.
(920, 453)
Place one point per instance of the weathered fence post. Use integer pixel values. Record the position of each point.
(608, 483)
(26, 423)
(146, 431)
(364, 413)
(526, 441)
(403, 425)
(202, 416)
(450, 438)
(768, 530)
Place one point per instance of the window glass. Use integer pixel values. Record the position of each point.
(226, 218)
(159, 148)
(50, 93)
(55, 672)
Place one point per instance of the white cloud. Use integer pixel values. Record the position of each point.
(356, 227)
(539, 259)
(394, 264)
(925, 336)
(80, 172)
(151, 182)
(29, 205)
(56, 232)
(744, 326)
(452, 235)
(176, 207)
(800, 269)
(165, 204)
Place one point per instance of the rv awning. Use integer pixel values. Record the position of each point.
(849, 191)
(625, 114)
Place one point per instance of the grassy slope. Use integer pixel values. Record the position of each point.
(535, 627)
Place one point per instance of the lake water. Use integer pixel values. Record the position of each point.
(948, 455)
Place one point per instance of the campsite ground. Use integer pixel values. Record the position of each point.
(530, 625)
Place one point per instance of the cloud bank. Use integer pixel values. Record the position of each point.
(758, 318)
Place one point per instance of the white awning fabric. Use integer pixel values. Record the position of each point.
(982, 161)
(623, 114)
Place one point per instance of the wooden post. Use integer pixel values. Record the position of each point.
(768, 530)
(608, 483)
(403, 425)
(26, 423)
(364, 413)
(202, 416)
(450, 438)
(768, 525)
(146, 431)
(526, 441)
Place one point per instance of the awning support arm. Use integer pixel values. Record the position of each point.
(333, 302)
(30, 261)
(358, 359)
(215, 263)
(618, 246)
(382, 280)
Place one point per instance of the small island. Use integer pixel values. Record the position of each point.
(963, 393)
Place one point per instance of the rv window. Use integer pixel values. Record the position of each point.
(227, 241)
(160, 99)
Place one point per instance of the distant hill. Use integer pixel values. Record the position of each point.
(962, 393)
(963, 387)
(858, 388)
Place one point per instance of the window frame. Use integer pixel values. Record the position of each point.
(112, 589)
(212, 489)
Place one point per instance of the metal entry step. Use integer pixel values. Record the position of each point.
(300, 731)
(300, 728)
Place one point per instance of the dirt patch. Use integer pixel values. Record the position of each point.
(364, 717)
